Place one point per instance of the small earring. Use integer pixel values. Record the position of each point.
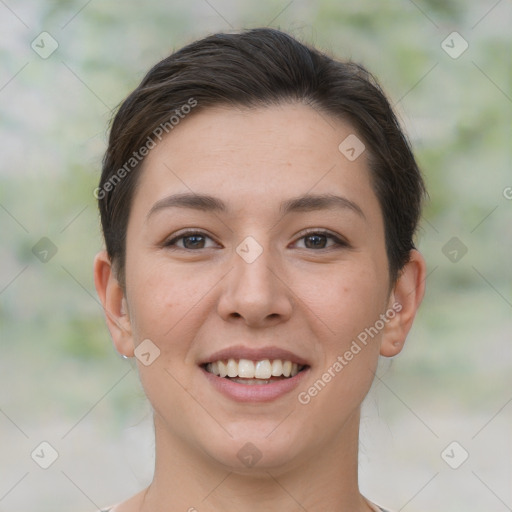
(124, 357)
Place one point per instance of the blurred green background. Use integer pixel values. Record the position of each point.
(62, 382)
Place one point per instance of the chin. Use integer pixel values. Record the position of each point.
(254, 452)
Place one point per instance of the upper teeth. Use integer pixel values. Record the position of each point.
(248, 369)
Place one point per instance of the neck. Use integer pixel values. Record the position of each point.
(188, 479)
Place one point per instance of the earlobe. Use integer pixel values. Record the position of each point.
(114, 304)
(405, 300)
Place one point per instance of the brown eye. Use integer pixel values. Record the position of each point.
(315, 241)
(320, 240)
(193, 242)
(189, 241)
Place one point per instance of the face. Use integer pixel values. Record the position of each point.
(258, 273)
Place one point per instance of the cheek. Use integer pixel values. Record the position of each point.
(346, 299)
(349, 305)
(155, 300)
(165, 298)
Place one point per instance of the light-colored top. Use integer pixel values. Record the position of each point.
(375, 508)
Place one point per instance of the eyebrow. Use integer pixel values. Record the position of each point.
(306, 203)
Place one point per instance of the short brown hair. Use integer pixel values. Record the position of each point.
(262, 67)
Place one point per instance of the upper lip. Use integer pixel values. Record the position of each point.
(254, 354)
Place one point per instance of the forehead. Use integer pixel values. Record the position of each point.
(256, 157)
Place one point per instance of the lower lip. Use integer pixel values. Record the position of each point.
(255, 392)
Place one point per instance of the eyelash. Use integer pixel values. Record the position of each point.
(185, 234)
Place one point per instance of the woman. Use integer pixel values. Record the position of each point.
(258, 201)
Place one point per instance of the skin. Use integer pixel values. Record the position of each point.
(297, 295)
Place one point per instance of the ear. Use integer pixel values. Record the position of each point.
(404, 300)
(114, 303)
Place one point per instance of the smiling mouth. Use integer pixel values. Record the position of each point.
(245, 371)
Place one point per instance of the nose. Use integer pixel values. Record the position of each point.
(255, 292)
